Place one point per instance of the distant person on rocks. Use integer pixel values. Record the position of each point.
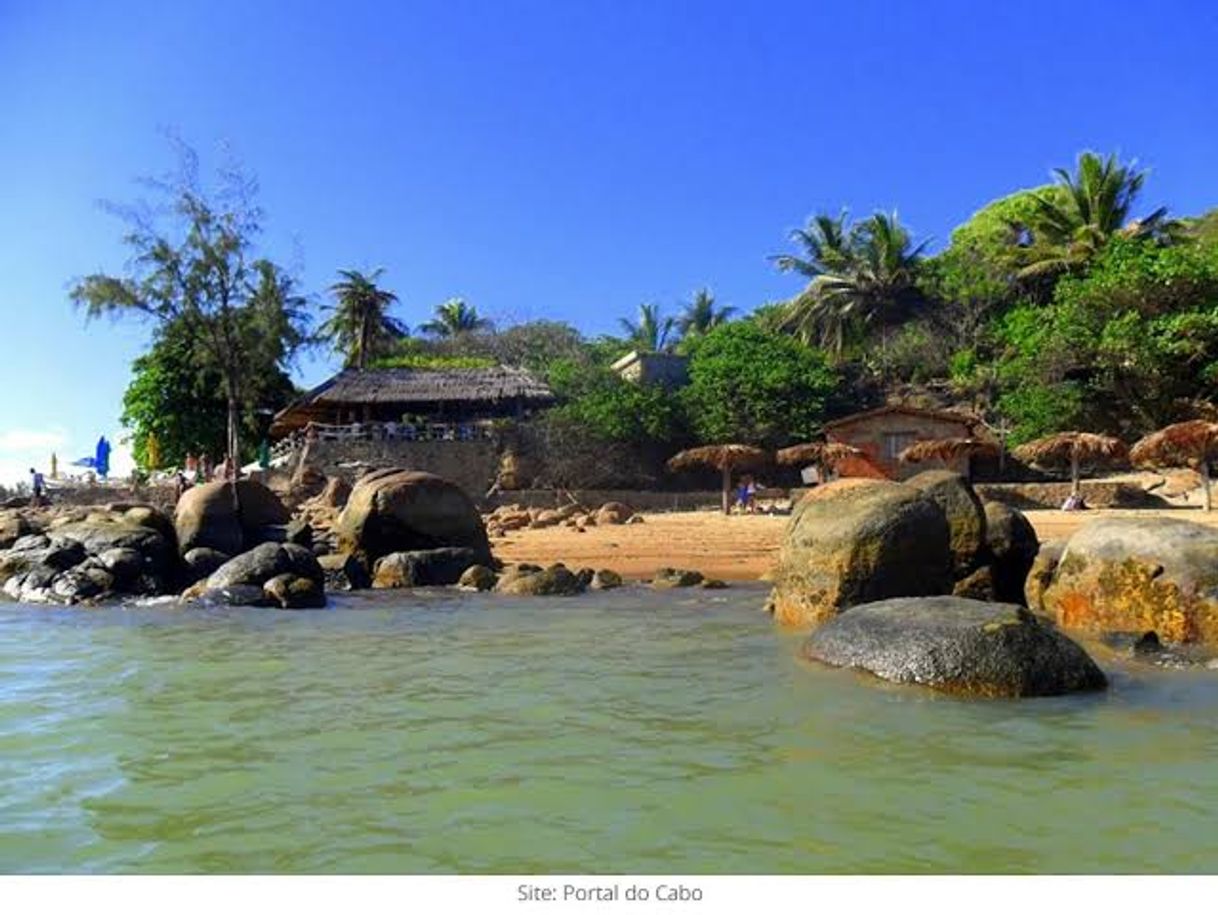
(181, 483)
(1074, 502)
(191, 465)
(205, 468)
(229, 468)
(37, 487)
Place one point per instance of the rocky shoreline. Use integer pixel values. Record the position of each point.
(917, 582)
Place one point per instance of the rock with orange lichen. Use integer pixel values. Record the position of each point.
(1139, 575)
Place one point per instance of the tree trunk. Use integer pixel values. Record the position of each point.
(234, 430)
(727, 489)
(1205, 482)
(1075, 485)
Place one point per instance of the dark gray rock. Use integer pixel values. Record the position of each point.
(423, 568)
(344, 572)
(955, 645)
(237, 596)
(124, 563)
(292, 592)
(264, 562)
(477, 578)
(1012, 544)
(556, 581)
(201, 562)
(605, 580)
(676, 578)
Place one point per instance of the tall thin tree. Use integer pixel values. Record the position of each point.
(360, 326)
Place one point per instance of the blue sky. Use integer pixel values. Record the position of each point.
(549, 159)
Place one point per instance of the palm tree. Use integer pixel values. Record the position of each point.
(701, 314)
(454, 318)
(859, 277)
(1068, 230)
(359, 325)
(651, 333)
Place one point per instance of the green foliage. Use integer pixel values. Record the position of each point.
(183, 405)
(862, 280)
(199, 272)
(652, 332)
(455, 318)
(360, 326)
(433, 362)
(752, 385)
(615, 410)
(700, 315)
(1125, 348)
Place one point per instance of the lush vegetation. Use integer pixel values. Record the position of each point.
(1070, 305)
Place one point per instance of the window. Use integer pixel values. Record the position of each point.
(896, 442)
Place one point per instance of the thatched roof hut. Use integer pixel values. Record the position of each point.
(1075, 449)
(356, 395)
(724, 457)
(1193, 443)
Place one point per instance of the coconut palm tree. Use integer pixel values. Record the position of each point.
(651, 333)
(454, 318)
(360, 326)
(701, 314)
(1069, 229)
(861, 277)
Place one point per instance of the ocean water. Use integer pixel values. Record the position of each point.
(628, 732)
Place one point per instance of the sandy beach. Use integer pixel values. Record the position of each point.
(734, 548)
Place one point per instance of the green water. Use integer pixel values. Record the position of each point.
(613, 733)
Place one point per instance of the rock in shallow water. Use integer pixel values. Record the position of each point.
(959, 646)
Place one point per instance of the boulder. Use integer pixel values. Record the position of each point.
(966, 520)
(264, 562)
(226, 516)
(336, 493)
(966, 647)
(1139, 575)
(124, 563)
(200, 562)
(977, 585)
(605, 580)
(856, 541)
(105, 534)
(234, 596)
(344, 572)
(293, 592)
(13, 526)
(402, 510)
(423, 568)
(676, 578)
(1012, 546)
(477, 578)
(613, 513)
(557, 580)
(714, 584)
(1041, 574)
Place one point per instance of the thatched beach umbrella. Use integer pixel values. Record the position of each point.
(725, 457)
(1075, 448)
(822, 454)
(1188, 444)
(947, 450)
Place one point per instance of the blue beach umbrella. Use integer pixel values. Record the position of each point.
(102, 459)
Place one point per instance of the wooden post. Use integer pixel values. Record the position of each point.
(727, 488)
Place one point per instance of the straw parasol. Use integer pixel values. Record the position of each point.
(947, 450)
(725, 457)
(1075, 448)
(1188, 444)
(822, 454)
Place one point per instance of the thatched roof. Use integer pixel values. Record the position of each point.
(1183, 444)
(412, 385)
(946, 449)
(719, 456)
(817, 453)
(1066, 447)
(416, 390)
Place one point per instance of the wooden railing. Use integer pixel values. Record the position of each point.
(384, 432)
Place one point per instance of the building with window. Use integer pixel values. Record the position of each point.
(882, 434)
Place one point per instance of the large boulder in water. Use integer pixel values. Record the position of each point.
(271, 573)
(1012, 544)
(423, 568)
(856, 541)
(392, 511)
(960, 646)
(1139, 575)
(965, 516)
(226, 516)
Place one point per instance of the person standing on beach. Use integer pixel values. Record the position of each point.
(37, 487)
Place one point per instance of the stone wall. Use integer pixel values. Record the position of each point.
(1052, 495)
(471, 465)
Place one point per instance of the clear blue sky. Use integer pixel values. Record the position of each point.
(566, 159)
